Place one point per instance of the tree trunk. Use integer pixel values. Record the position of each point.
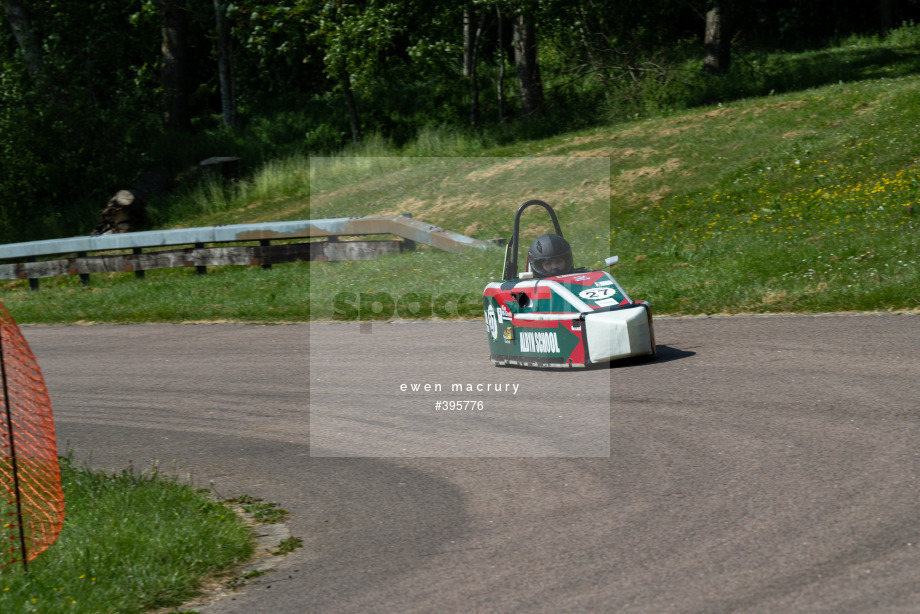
(225, 65)
(173, 73)
(473, 74)
(468, 13)
(22, 30)
(887, 12)
(352, 110)
(717, 58)
(530, 85)
(500, 86)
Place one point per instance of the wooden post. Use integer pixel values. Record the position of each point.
(138, 274)
(33, 281)
(202, 269)
(84, 277)
(265, 265)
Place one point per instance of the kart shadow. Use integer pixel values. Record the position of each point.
(663, 353)
(666, 353)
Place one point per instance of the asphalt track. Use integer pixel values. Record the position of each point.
(760, 464)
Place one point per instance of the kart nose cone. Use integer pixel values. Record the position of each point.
(622, 333)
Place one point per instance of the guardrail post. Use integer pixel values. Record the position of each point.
(84, 277)
(202, 269)
(265, 243)
(33, 281)
(138, 274)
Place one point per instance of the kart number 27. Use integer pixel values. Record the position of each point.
(596, 294)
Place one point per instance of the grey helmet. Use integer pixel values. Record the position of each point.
(550, 247)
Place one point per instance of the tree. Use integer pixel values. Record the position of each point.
(717, 58)
(471, 40)
(355, 40)
(174, 69)
(31, 52)
(530, 85)
(469, 44)
(500, 80)
(225, 65)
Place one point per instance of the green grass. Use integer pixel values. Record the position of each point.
(822, 219)
(800, 202)
(130, 542)
(262, 511)
(170, 295)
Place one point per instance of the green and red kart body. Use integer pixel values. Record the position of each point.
(573, 320)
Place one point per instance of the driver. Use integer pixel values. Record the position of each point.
(550, 255)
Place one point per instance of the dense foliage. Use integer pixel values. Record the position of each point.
(82, 108)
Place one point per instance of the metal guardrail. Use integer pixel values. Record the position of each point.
(80, 262)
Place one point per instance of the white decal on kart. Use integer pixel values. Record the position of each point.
(596, 294)
(491, 322)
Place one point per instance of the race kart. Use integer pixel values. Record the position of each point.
(577, 319)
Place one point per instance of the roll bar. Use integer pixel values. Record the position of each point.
(511, 251)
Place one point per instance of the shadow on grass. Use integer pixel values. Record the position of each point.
(833, 66)
(755, 76)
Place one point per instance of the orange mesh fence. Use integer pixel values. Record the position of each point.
(31, 498)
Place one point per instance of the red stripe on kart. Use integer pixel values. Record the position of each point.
(536, 323)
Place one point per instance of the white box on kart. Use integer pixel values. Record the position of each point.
(618, 334)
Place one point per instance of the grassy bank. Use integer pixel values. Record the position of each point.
(130, 542)
(798, 201)
(805, 202)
